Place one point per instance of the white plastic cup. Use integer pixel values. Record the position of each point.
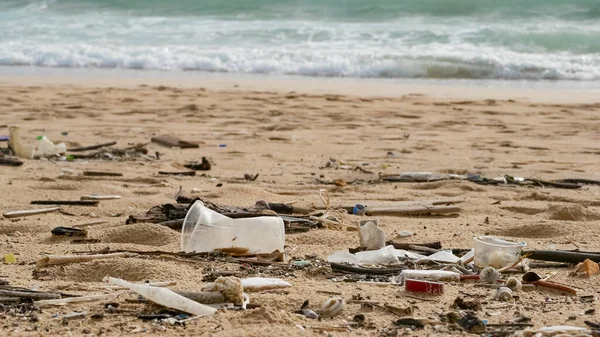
(494, 252)
(205, 230)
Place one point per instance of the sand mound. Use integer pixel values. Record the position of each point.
(572, 213)
(142, 234)
(531, 231)
(12, 228)
(130, 269)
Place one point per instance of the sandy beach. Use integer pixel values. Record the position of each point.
(287, 131)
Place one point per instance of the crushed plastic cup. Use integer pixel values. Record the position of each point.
(385, 255)
(371, 237)
(494, 252)
(205, 230)
(46, 148)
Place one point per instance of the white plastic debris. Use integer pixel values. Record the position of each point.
(443, 256)
(165, 297)
(430, 275)
(16, 144)
(405, 254)
(46, 148)
(371, 237)
(495, 252)
(205, 230)
(253, 284)
(385, 255)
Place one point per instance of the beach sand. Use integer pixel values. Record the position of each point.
(285, 133)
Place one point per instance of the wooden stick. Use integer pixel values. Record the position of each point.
(560, 256)
(65, 202)
(101, 174)
(412, 210)
(66, 259)
(555, 286)
(27, 294)
(93, 147)
(100, 197)
(181, 173)
(88, 298)
(16, 214)
(90, 224)
(10, 162)
(361, 270)
(406, 246)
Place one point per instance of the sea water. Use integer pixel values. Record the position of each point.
(418, 39)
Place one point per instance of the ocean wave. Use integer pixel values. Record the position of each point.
(427, 61)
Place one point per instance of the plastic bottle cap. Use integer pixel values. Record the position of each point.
(10, 258)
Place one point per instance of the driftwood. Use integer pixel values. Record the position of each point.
(361, 270)
(65, 202)
(159, 214)
(579, 181)
(181, 173)
(93, 147)
(204, 165)
(10, 161)
(88, 298)
(116, 153)
(170, 141)
(406, 246)
(102, 174)
(16, 214)
(67, 259)
(560, 256)
(36, 295)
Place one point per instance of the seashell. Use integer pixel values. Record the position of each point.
(489, 275)
(310, 314)
(514, 284)
(503, 294)
(332, 307)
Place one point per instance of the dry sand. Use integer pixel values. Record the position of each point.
(286, 136)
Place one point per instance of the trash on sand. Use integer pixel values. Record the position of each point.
(427, 287)
(16, 214)
(28, 294)
(307, 311)
(67, 259)
(165, 297)
(332, 307)
(66, 202)
(503, 294)
(359, 209)
(587, 268)
(386, 255)
(10, 258)
(256, 284)
(495, 252)
(205, 230)
(46, 148)
(67, 231)
(111, 153)
(471, 323)
(204, 165)
(414, 177)
(171, 142)
(443, 256)
(430, 275)
(371, 237)
(558, 330)
(19, 149)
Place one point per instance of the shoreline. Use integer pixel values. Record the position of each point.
(539, 91)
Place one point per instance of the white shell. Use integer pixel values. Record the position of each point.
(514, 284)
(332, 307)
(489, 275)
(503, 294)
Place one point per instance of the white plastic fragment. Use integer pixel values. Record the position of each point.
(165, 297)
(443, 256)
(253, 284)
(430, 275)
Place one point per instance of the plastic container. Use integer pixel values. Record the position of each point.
(205, 230)
(45, 148)
(371, 237)
(494, 252)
